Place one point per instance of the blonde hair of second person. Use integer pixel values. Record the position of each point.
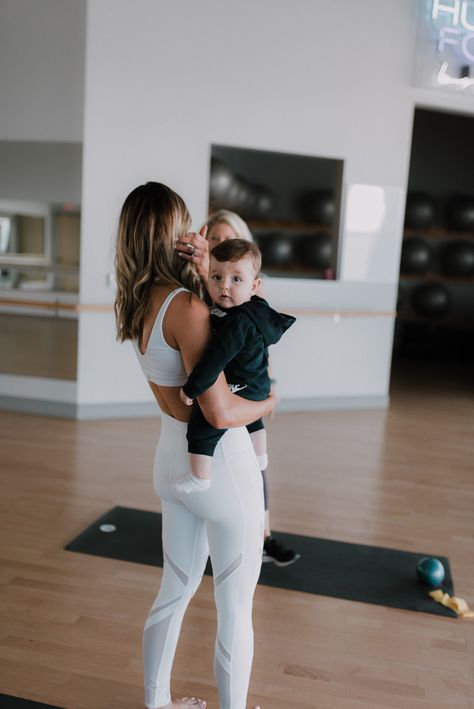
(220, 226)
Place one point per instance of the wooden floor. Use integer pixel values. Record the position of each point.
(70, 631)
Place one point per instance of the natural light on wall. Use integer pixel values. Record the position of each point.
(372, 215)
(365, 208)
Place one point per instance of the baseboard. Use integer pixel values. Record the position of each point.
(148, 409)
(43, 407)
(333, 403)
(85, 412)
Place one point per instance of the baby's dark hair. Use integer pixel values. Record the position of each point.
(235, 249)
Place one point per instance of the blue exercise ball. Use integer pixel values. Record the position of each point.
(430, 571)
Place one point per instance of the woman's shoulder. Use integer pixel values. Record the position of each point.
(185, 299)
(189, 307)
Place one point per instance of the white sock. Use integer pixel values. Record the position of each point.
(191, 483)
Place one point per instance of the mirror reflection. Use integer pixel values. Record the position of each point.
(40, 226)
(291, 204)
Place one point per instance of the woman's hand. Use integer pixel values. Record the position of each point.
(272, 402)
(194, 248)
(275, 396)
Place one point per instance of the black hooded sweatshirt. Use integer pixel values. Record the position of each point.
(242, 335)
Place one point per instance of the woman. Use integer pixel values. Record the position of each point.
(159, 309)
(223, 225)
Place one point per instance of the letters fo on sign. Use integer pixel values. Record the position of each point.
(445, 45)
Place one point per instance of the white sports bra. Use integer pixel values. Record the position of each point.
(161, 363)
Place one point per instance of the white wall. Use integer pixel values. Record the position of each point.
(39, 171)
(301, 76)
(164, 80)
(42, 47)
(311, 77)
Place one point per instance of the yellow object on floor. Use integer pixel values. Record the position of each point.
(458, 605)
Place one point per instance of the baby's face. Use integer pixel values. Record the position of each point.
(232, 283)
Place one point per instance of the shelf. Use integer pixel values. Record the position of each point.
(435, 278)
(438, 233)
(295, 272)
(446, 321)
(263, 225)
(59, 268)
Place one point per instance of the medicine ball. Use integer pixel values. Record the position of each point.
(316, 250)
(318, 206)
(277, 249)
(460, 213)
(263, 201)
(431, 299)
(248, 208)
(221, 181)
(458, 258)
(416, 255)
(420, 210)
(235, 195)
(243, 195)
(430, 571)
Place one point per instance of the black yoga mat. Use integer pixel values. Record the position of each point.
(17, 703)
(356, 572)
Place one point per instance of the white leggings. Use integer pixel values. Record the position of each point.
(226, 521)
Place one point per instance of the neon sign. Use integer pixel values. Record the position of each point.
(445, 51)
(444, 78)
(454, 28)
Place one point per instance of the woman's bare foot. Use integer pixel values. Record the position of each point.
(187, 703)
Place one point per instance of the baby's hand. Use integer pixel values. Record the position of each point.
(185, 399)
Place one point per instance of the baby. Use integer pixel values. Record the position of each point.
(244, 326)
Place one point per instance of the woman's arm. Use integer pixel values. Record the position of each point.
(191, 330)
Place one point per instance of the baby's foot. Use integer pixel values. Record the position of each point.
(191, 483)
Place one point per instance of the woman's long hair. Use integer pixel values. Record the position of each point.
(152, 219)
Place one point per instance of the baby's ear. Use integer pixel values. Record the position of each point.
(256, 284)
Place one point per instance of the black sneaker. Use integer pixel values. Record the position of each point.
(278, 553)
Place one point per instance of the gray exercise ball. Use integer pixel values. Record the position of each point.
(277, 249)
(221, 181)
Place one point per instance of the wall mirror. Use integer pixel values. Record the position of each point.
(40, 197)
(290, 202)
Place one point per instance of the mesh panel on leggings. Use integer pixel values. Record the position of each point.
(223, 684)
(228, 571)
(157, 609)
(154, 639)
(184, 578)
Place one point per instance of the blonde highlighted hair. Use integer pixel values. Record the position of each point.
(152, 219)
(236, 223)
